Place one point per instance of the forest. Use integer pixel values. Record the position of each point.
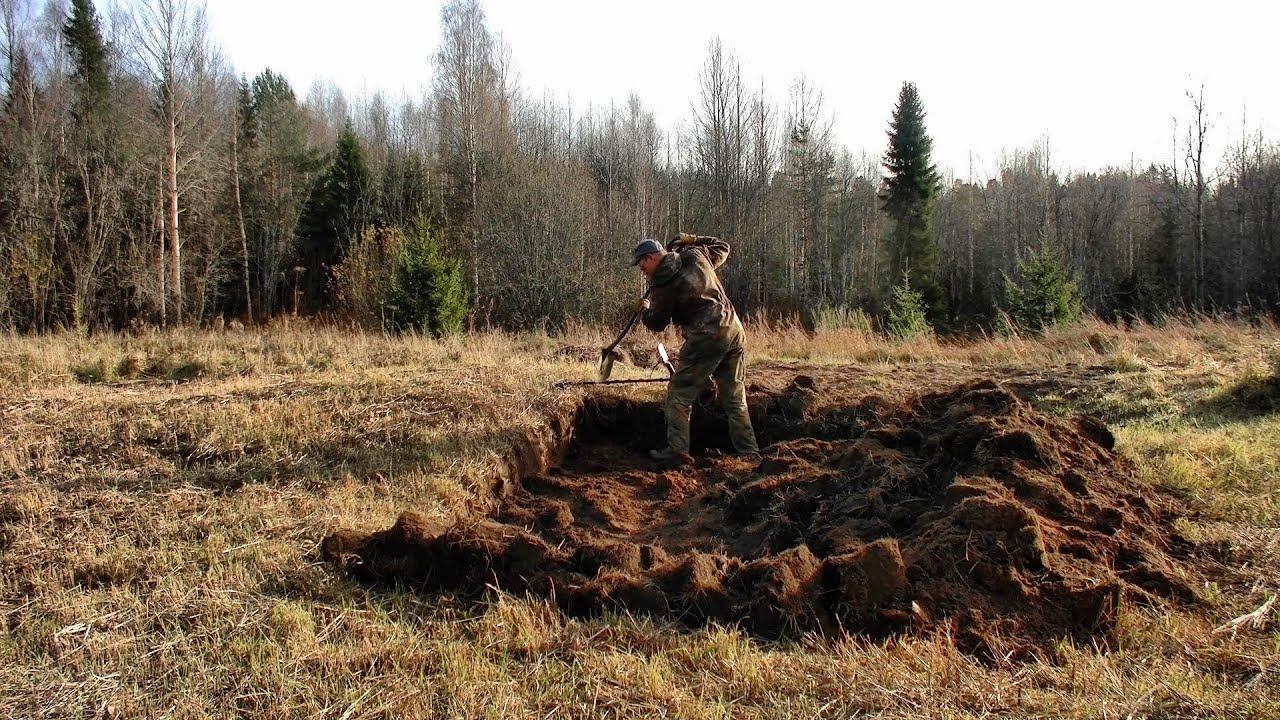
(148, 182)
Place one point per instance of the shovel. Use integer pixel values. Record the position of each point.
(580, 383)
(666, 360)
(606, 355)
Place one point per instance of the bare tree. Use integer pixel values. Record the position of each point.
(246, 284)
(1197, 132)
(174, 52)
(719, 133)
(17, 97)
(809, 163)
(762, 165)
(13, 14)
(644, 141)
(33, 123)
(472, 100)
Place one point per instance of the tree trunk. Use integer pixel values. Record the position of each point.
(244, 240)
(175, 242)
(160, 246)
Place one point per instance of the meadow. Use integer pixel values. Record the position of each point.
(163, 497)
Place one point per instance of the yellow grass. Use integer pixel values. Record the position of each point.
(162, 497)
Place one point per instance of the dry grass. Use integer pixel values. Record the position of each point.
(162, 497)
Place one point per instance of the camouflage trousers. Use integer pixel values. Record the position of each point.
(724, 360)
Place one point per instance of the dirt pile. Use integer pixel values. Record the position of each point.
(964, 510)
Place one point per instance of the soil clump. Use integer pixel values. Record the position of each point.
(965, 511)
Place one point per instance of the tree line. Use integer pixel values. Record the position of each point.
(147, 183)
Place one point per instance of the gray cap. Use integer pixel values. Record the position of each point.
(645, 247)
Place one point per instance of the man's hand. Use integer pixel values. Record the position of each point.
(643, 305)
(683, 240)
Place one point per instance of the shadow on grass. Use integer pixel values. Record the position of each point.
(1118, 400)
(1252, 396)
(311, 466)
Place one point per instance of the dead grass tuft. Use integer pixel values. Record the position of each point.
(26, 505)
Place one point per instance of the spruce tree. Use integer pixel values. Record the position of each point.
(1046, 293)
(245, 120)
(907, 312)
(278, 170)
(17, 84)
(908, 195)
(426, 292)
(83, 35)
(91, 149)
(336, 211)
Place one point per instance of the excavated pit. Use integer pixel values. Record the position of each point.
(964, 511)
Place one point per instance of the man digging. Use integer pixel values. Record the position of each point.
(685, 289)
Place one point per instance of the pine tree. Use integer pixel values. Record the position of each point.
(336, 211)
(1046, 293)
(908, 196)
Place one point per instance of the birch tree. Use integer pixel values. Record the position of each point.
(176, 58)
(472, 102)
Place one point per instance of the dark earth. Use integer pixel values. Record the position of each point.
(964, 511)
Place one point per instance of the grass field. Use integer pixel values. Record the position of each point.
(163, 496)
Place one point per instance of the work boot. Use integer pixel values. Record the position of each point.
(669, 457)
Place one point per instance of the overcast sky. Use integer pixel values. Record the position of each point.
(1102, 80)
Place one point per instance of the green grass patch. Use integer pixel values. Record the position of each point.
(1258, 391)
(1228, 472)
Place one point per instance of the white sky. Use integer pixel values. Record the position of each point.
(1103, 80)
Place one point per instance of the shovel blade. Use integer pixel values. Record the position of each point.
(606, 365)
(666, 359)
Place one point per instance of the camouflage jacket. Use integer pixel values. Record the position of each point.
(687, 291)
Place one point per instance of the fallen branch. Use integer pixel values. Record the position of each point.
(1255, 619)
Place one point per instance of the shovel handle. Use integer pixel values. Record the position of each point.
(626, 328)
(578, 383)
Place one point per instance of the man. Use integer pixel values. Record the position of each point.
(685, 289)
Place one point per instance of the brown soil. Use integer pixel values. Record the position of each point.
(963, 511)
